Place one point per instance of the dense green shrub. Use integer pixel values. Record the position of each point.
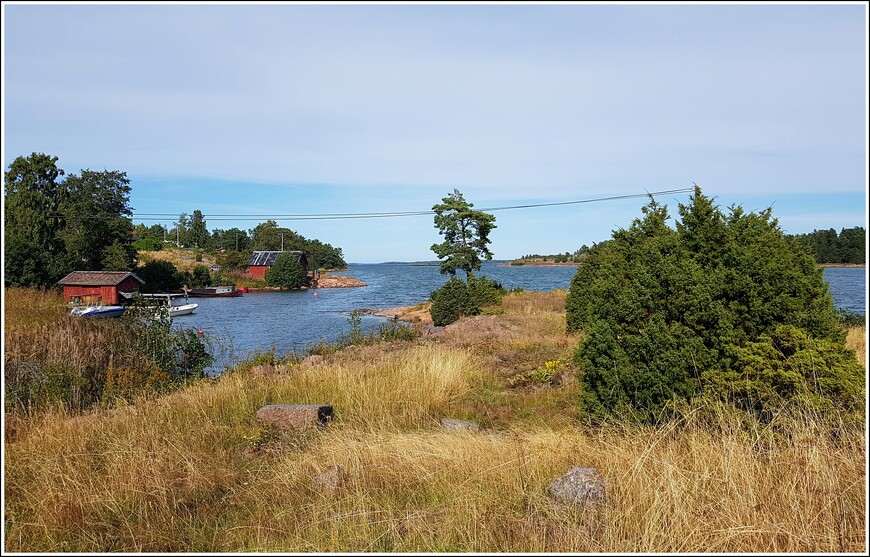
(456, 298)
(669, 310)
(484, 291)
(450, 302)
(788, 366)
(200, 277)
(286, 272)
(159, 276)
(148, 244)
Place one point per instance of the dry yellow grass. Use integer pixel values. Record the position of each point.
(180, 473)
(856, 339)
(183, 259)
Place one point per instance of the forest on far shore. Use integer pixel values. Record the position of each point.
(849, 246)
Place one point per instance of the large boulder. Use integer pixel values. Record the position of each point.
(579, 486)
(294, 418)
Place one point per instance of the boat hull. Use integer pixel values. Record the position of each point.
(186, 309)
(98, 312)
(215, 292)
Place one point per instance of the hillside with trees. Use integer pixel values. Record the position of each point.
(57, 222)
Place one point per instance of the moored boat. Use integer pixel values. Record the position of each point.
(97, 311)
(184, 309)
(215, 292)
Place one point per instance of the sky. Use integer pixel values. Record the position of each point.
(247, 112)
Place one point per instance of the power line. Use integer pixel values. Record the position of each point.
(342, 216)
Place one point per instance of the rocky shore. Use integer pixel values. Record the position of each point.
(414, 314)
(338, 281)
(325, 281)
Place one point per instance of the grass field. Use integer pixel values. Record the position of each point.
(192, 471)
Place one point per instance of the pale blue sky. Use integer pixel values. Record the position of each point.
(288, 109)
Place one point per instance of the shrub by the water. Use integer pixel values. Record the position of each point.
(669, 313)
(200, 277)
(456, 298)
(485, 291)
(450, 302)
(286, 272)
(159, 276)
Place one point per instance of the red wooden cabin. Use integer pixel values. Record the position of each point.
(103, 286)
(262, 261)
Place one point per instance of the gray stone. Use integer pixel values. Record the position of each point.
(262, 370)
(579, 486)
(295, 418)
(313, 359)
(330, 481)
(450, 423)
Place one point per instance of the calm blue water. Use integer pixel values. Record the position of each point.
(291, 321)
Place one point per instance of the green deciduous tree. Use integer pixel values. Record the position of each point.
(159, 276)
(465, 232)
(97, 215)
(33, 221)
(286, 272)
(233, 239)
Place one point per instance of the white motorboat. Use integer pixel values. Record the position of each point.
(185, 309)
(97, 311)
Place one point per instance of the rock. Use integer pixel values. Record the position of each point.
(579, 486)
(450, 423)
(262, 370)
(331, 481)
(295, 418)
(313, 359)
(432, 331)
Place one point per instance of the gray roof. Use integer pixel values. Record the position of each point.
(97, 278)
(268, 258)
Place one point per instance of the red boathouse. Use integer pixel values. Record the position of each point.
(261, 261)
(99, 285)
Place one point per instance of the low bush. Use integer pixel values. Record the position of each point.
(450, 302)
(457, 299)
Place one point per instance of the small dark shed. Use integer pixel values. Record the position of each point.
(99, 285)
(261, 261)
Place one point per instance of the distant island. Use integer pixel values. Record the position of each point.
(566, 259)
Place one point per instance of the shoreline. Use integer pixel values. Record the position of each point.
(539, 264)
(325, 281)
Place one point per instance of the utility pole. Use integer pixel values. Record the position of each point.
(282, 241)
(237, 241)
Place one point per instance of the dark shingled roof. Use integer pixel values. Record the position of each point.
(97, 278)
(268, 258)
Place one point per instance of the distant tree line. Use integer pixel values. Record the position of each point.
(849, 246)
(567, 257)
(55, 223)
